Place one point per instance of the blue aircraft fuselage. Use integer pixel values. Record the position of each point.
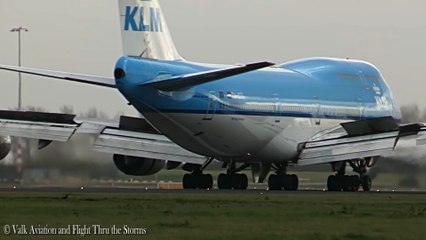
(260, 115)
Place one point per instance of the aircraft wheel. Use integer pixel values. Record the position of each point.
(207, 181)
(188, 182)
(334, 183)
(294, 182)
(274, 182)
(290, 182)
(347, 183)
(223, 181)
(244, 181)
(355, 183)
(366, 183)
(239, 181)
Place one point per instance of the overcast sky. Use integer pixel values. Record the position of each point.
(83, 36)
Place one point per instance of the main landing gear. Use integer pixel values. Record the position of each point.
(232, 179)
(197, 179)
(280, 180)
(352, 183)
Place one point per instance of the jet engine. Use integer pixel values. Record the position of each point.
(4, 146)
(138, 166)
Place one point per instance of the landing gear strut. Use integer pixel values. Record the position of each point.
(347, 183)
(281, 180)
(232, 179)
(197, 179)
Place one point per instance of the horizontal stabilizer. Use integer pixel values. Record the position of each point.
(95, 80)
(190, 80)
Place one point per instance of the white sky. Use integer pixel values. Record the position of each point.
(83, 36)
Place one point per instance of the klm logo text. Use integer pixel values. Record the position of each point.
(143, 20)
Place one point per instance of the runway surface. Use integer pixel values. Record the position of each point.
(186, 191)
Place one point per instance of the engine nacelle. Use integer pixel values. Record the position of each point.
(138, 166)
(5, 145)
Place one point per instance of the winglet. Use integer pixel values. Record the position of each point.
(193, 79)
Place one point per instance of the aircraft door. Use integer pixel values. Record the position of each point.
(211, 106)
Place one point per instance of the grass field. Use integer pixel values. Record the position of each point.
(222, 215)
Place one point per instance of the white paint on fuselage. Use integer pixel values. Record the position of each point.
(241, 137)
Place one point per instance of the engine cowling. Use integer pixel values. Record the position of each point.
(5, 145)
(137, 166)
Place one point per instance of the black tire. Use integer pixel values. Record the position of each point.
(286, 182)
(330, 183)
(187, 181)
(334, 183)
(208, 181)
(355, 183)
(347, 183)
(237, 181)
(244, 181)
(274, 182)
(294, 182)
(223, 181)
(366, 183)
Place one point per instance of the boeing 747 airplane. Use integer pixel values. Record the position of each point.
(260, 115)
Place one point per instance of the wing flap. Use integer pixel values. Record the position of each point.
(370, 126)
(360, 139)
(190, 80)
(145, 145)
(340, 149)
(94, 80)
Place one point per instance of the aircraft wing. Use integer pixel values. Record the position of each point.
(189, 80)
(131, 136)
(95, 80)
(362, 139)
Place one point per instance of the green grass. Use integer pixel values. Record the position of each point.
(228, 215)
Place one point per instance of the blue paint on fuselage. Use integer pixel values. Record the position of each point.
(316, 87)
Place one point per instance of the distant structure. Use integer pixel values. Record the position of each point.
(19, 143)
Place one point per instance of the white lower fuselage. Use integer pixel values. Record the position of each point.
(240, 137)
